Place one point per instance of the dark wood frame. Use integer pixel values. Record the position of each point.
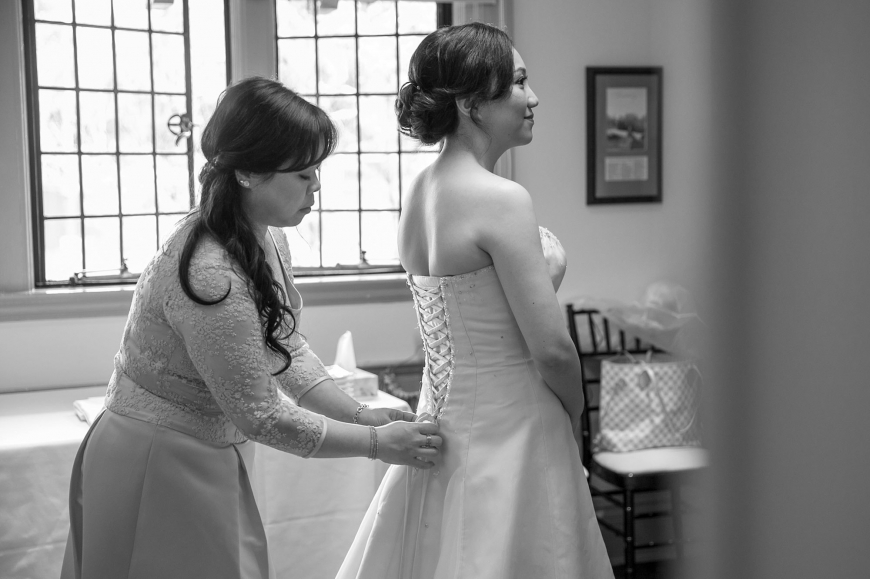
(599, 191)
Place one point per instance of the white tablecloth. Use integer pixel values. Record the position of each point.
(311, 508)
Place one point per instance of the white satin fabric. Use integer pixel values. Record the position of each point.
(509, 499)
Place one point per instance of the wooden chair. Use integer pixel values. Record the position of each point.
(627, 473)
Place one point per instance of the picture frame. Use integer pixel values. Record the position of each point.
(623, 135)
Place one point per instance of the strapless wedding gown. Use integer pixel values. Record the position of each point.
(509, 499)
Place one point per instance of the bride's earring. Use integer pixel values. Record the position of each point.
(244, 183)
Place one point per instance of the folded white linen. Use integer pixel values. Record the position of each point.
(88, 409)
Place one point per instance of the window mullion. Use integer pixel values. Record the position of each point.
(33, 109)
(188, 101)
(228, 43)
(117, 137)
(398, 86)
(358, 133)
(78, 136)
(153, 127)
(317, 99)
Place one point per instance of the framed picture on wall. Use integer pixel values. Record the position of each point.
(623, 135)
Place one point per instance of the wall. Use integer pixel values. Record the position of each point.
(15, 267)
(617, 250)
(791, 389)
(78, 352)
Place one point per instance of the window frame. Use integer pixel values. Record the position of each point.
(20, 299)
(31, 91)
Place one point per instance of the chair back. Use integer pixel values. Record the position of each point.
(595, 340)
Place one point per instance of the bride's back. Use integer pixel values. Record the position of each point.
(442, 216)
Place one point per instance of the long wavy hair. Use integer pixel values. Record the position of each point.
(259, 126)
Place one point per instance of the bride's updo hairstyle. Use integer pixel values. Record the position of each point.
(259, 126)
(470, 61)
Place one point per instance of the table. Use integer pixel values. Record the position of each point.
(311, 508)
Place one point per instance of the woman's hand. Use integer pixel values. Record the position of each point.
(414, 444)
(382, 416)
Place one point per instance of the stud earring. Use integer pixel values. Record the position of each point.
(244, 183)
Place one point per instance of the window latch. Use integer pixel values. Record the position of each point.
(181, 126)
(96, 276)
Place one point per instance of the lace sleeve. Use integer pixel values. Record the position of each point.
(225, 343)
(305, 372)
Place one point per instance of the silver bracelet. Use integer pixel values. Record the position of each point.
(373, 443)
(359, 410)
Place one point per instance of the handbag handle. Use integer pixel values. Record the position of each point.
(602, 410)
(654, 387)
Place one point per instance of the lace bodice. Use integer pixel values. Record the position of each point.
(433, 319)
(431, 296)
(554, 254)
(206, 370)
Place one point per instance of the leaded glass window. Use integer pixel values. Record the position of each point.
(119, 91)
(350, 57)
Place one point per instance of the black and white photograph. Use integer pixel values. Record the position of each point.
(624, 135)
(418, 289)
(626, 111)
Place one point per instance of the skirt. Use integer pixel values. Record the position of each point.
(149, 502)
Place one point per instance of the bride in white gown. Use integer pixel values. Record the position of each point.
(508, 497)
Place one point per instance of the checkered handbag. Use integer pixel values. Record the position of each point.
(648, 403)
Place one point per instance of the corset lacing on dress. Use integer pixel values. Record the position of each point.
(434, 323)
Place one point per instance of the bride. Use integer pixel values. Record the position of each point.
(508, 497)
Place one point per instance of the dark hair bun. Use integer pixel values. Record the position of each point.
(471, 61)
(426, 116)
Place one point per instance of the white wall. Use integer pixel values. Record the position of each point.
(617, 250)
(792, 389)
(78, 352)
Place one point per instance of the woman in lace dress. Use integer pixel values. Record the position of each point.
(211, 361)
(508, 498)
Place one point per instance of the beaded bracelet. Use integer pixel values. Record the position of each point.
(373, 443)
(356, 414)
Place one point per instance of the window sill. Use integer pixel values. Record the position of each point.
(59, 303)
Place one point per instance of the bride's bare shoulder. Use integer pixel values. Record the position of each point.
(496, 195)
(466, 195)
